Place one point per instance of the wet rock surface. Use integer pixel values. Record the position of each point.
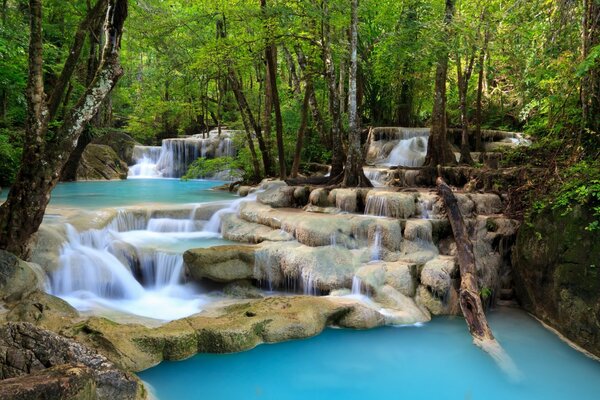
(557, 274)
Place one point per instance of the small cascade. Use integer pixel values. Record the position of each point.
(408, 153)
(170, 225)
(214, 223)
(356, 285)
(172, 159)
(308, 283)
(160, 269)
(145, 158)
(333, 239)
(225, 148)
(129, 266)
(176, 156)
(377, 176)
(376, 205)
(87, 267)
(376, 249)
(425, 207)
(263, 269)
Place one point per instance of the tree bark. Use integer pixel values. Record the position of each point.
(294, 80)
(301, 130)
(480, 78)
(470, 301)
(438, 148)
(272, 76)
(354, 175)
(314, 105)
(43, 160)
(463, 77)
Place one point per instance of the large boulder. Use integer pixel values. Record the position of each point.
(220, 263)
(26, 349)
(120, 142)
(556, 264)
(17, 277)
(100, 162)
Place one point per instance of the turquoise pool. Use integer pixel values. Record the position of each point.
(434, 361)
(102, 194)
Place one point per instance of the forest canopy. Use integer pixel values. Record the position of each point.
(515, 65)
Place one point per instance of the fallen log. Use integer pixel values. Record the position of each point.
(469, 299)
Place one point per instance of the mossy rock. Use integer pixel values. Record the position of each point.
(100, 162)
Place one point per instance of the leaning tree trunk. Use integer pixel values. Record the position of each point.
(42, 162)
(470, 301)
(353, 172)
(438, 148)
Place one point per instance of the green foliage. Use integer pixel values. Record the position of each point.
(10, 156)
(583, 188)
(205, 168)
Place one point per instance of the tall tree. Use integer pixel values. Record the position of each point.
(438, 148)
(353, 172)
(46, 148)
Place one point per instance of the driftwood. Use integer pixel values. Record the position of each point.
(470, 302)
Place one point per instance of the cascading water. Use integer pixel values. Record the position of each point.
(172, 159)
(146, 158)
(376, 248)
(133, 265)
(376, 205)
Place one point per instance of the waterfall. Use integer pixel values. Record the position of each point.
(376, 246)
(214, 223)
(145, 158)
(356, 285)
(376, 205)
(408, 153)
(129, 266)
(225, 148)
(173, 158)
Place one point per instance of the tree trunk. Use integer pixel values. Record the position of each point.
(438, 148)
(337, 162)
(354, 175)
(248, 120)
(463, 88)
(294, 80)
(42, 162)
(470, 301)
(272, 65)
(480, 77)
(301, 131)
(314, 105)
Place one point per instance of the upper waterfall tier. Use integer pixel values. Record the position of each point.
(407, 147)
(172, 159)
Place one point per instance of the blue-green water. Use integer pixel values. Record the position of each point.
(434, 361)
(103, 194)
